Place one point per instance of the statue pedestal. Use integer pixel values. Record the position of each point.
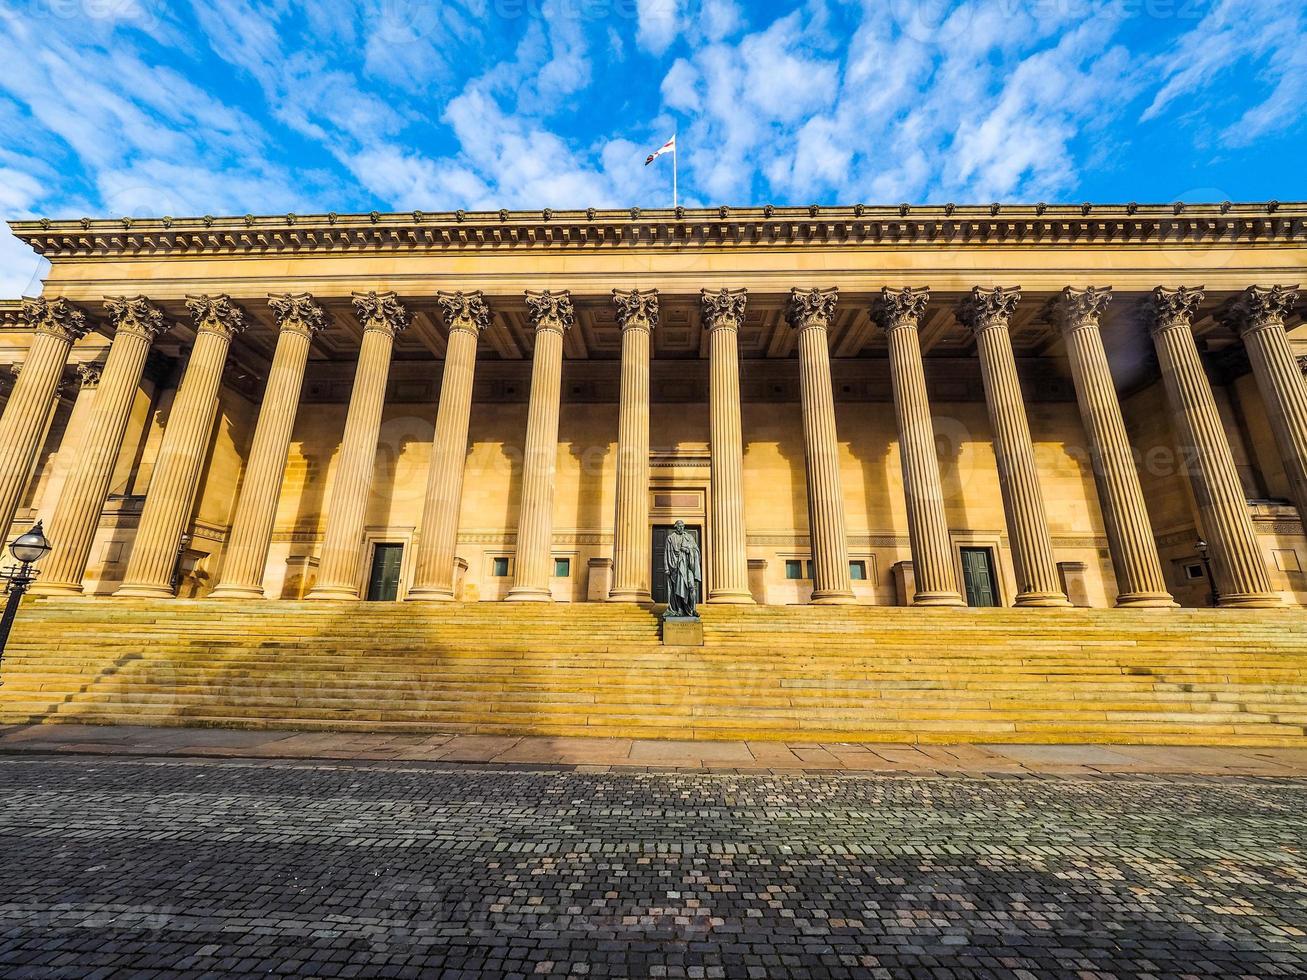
(682, 631)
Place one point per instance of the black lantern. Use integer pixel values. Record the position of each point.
(1213, 597)
(27, 549)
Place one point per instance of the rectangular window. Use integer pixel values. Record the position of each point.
(810, 575)
(793, 568)
(499, 567)
(858, 571)
(1193, 571)
(562, 567)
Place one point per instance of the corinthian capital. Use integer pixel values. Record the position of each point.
(298, 312)
(88, 374)
(1073, 307)
(723, 308)
(1174, 307)
(811, 307)
(988, 307)
(464, 311)
(381, 311)
(136, 315)
(551, 310)
(636, 308)
(1259, 306)
(56, 317)
(900, 307)
(216, 314)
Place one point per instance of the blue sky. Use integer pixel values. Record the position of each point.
(149, 107)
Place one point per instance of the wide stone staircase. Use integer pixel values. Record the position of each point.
(794, 673)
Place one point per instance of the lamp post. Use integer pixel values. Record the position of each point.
(27, 549)
(176, 581)
(1213, 596)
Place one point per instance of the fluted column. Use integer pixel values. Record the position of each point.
(637, 312)
(71, 530)
(1258, 315)
(55, 324)
(728, 564)
(552, 315)
(899, 313)
(809, 313)
(171, 495)
(383, 318)
(466, 315)
(1139, 578)
(1237, 562)
(298, 319)
(986, 313)
(70, 443)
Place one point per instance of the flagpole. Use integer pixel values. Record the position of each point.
(674, 168)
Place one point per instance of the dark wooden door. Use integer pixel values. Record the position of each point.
(383, 583)
(658, 574)
(978, 575)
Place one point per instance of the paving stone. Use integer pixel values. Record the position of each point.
(186, 867)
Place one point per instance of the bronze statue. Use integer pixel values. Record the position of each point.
(684, 572)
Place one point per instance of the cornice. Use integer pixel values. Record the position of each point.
(901, 226)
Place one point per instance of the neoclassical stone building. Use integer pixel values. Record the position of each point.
(993, 405)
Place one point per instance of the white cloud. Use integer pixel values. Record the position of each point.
(1259, 41)
(719, 19)
(658, 22)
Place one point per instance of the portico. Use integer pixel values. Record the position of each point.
(850, 405)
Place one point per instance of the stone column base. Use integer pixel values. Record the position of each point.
(1146, 600)
(1043, 600)
(1252, 600)
(429, 595)
(833, 597)
(528, 595)
(333, 592)
(731, 599)
(938, 599)
(56, 588)
(144, 592)
(237, 592)
(630, 595)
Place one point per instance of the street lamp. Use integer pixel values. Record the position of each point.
(28, 549)
(1213, 596)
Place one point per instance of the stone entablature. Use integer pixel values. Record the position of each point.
(900, 226)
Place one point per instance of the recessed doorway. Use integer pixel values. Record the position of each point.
(978, 576)
(383, 579)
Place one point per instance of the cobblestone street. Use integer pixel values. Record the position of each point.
(122, 867)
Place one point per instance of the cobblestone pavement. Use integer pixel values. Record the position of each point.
(118, 866)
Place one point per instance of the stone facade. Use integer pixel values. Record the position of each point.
(849, 404)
